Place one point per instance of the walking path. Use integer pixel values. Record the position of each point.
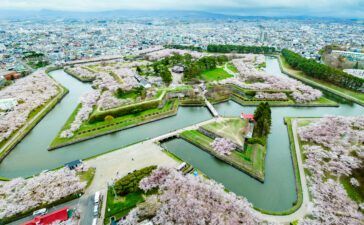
(306, 204)
(229, 71)
(119, 163)
(211, 108)
(192, 127)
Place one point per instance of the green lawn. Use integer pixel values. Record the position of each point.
(87, 176)
(355, 193)
(343, 92)
(234, 129)
(88, 130)
(251, 161)
(118, 206)
(132, 95)
(231, 67)
(262, 65)
(237, 97)
(215, 75)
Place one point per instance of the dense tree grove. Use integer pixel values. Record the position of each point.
(263, 119)
(192, 68)
(316, 70)
(195, 68)
(240, 49)
(185, 47)
(163, 72)
(192, 200)
(161, 67)
(130, 183)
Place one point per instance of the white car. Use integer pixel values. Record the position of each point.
(97, 197)
(40, 212)
(94, 221)
(96, 210)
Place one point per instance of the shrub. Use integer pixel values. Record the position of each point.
(109, 118)
(123, 110)
(255, 140)
(130, 183)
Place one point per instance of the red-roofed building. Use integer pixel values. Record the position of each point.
(249, 117)
(59, 215)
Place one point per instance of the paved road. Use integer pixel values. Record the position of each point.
(86, 206)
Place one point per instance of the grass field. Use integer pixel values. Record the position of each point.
(132, 94)
(234, 129)
(87, 176)
(215, 75)
(88, 130)
(117, 206)
(231, 67)
(251, 161)
(343, 92)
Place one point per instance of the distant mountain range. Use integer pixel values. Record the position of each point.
(128, 14)
(125, 14)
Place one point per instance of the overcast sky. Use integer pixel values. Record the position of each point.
(333, 8)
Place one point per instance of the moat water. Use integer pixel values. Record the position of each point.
(277, 193)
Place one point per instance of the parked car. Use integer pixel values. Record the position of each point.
(97, 197)
(94, 221)
(96, 210)
(40, 212)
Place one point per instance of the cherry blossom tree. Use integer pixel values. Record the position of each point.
(193, 200)
(328, 147)
(156, 55)
(21, 194)
(82, 72)
(254, 79)
(223, 146)
(30, 93)
(88, 101)
(271, 96)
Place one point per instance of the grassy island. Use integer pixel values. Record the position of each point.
(248, 157)
(246, 97)
(90, 130)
